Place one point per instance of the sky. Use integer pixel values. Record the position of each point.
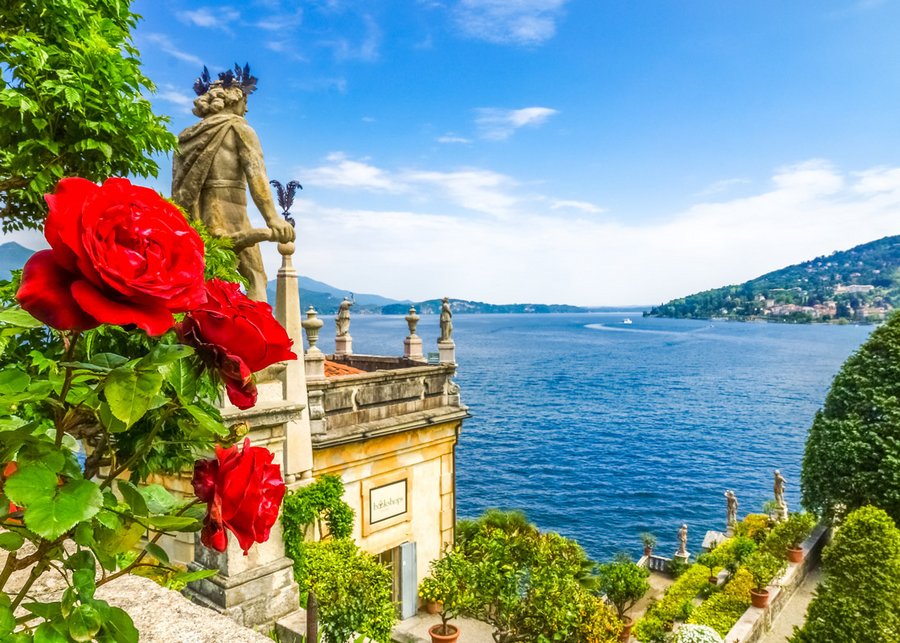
(589, 152)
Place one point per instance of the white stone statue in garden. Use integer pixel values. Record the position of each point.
(446, 321)
(779, 496)
(342, 321)
(731, 518)
(682, 541)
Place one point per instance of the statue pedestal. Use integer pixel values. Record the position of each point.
(343, 345)
(412, 348)
(447, 350)
(683, 556)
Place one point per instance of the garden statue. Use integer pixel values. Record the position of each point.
(446, 321)
(731, 518)
(342, 321)
(779, 496)
(217, 160)
(682, 542)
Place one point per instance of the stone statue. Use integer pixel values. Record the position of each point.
(779, 496)
(217, 159)
(731, 518)
(342, 321)
(682, 542)
(446, 321)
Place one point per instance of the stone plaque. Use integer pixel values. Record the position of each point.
(387, 501)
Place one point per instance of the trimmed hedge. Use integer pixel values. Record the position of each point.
(676, 603)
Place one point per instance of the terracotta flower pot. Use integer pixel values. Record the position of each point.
(759, 599)
(434, 607)
(795, 555)
(648, 551)
(627, 624)
(713, 580)
(436, 637)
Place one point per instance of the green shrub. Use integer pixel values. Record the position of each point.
(754, 526)
(859, 599)
(740, 585)
(623, 583)
(852, 456)
(720, 612)
(764, 567)
(789, 534)
(675, 604)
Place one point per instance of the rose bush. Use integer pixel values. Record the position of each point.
(119, 254)
(236, 336)
(243, 492)
(91, 403)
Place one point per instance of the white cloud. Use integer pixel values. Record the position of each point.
(450, 138)
(345, 173)
(167, 46)
(499, 124)
(183, 101)
(210, 17)
(367, 50)
(509, 22)
(809, 209)
(583, 206)
(722, 186)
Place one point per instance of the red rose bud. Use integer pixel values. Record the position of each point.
(120, 254)
(236, 336)
(243, 491)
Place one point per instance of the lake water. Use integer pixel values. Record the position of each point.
(601, 430)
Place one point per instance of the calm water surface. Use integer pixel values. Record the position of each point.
(601, 430)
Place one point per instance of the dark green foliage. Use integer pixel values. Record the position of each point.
(623, 583)
(764, 567)
(852, 453)
(805, 284)
(859, 600)
(71, 101)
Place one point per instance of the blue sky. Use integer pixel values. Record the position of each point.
(556, 151)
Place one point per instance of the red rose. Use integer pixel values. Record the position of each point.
(237, 336)
(243, 492)
(120, 254)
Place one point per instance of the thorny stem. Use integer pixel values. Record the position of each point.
(71, 343)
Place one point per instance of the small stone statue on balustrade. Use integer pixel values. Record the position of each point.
(682, 552)
(731, 516)
(342, 341)
(217, 160)
(446, 321)
(779, 496)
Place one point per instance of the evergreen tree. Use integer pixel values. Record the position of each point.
(71, 101)
(859, 600)
(853, 450)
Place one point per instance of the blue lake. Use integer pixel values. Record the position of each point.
(601, 430)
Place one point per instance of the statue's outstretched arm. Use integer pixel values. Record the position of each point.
(257, 179)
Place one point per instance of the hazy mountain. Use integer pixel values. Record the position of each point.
(12, 257)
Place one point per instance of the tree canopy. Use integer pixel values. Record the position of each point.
(853, 450)
(859, 600)
(71, 101)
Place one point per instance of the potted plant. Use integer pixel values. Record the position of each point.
(712, 559)
(786, 537)
(649, 542)
(623, 583)
(447, 587)
(763, 567)
(429, 592)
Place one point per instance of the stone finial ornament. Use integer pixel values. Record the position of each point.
(217, 160)
(412, 320)
(312, 325)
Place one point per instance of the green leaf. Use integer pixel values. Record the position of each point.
(84, 534)
(83, 559)
(47, 611)
(7, 619)
(157, 552)
(83, 580)
(112, 542)
(108, 361)
(174, 523)
(119, 627)
(53, 515)
(205, 420)
(10, 540)
(84, 622)
(13, 381)
(159, 500)
(110, 422)
(165, 354)
(190, 577)
(19, 318)
(30, 484)
(46, 633)
(133, 497)
(130, 392)
(182, 377)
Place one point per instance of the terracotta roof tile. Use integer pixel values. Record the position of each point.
(334, 369)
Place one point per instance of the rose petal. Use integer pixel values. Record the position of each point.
(154, 319)
(204, 480)
(46, 293)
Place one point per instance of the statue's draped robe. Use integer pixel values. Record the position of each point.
(197, 149)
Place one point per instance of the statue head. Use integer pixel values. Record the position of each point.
(227, 94)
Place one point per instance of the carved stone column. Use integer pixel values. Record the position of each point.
(412, 345)
(298, 462)
(447, 351)
(257, 589)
